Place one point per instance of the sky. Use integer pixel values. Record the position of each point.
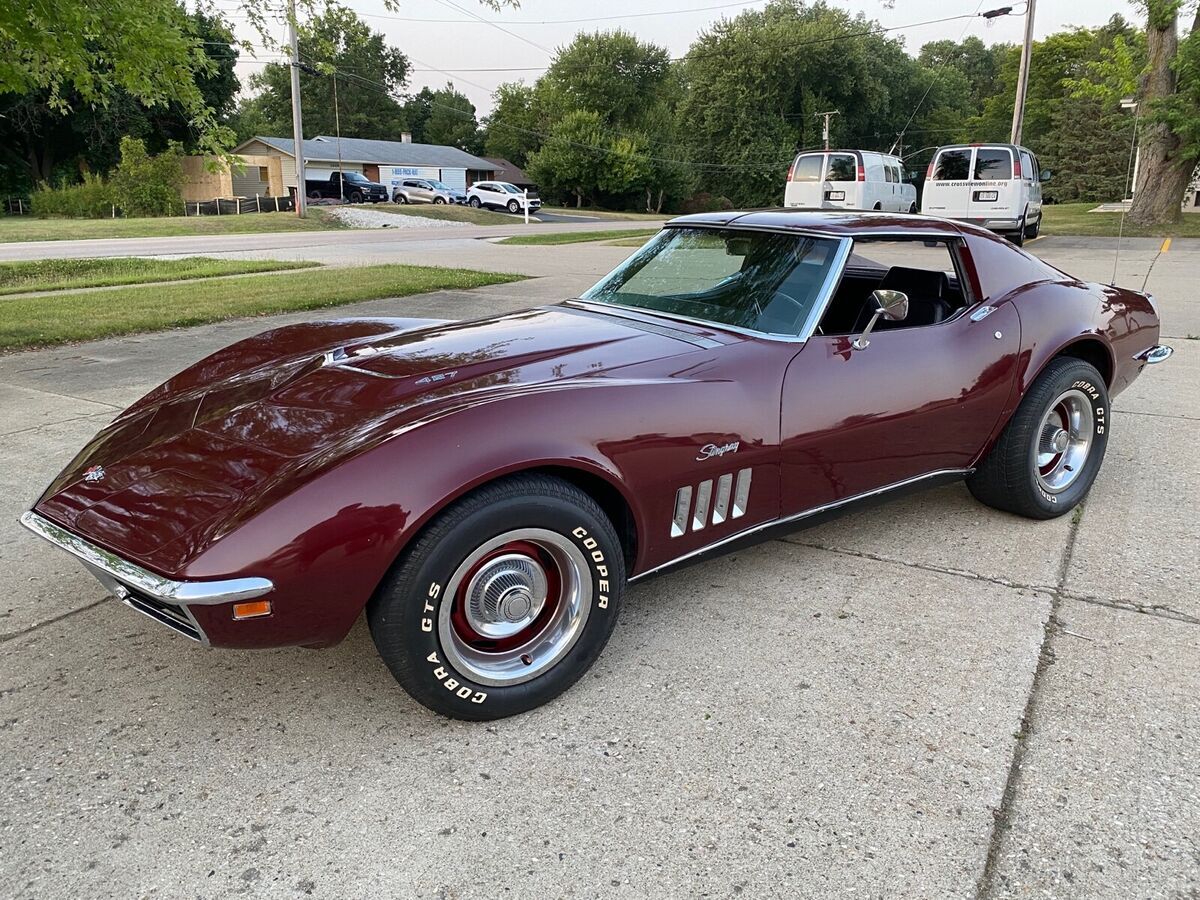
(456, 42)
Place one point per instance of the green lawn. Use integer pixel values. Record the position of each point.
(451, 213)
(65, 274)
(58, 318)
(604, 213)
(578, 237)
(28, 228)
(1075, 218)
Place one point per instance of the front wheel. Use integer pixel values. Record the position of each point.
(1048, 455)
(401, 199)
(475, 202)
(504, 602)
(514, 207)
(438, 201)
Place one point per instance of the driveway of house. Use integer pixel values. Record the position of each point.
(929, 698)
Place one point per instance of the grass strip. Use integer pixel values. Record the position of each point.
(578, 237)
(65, 274)
(59, 318)
(1077, 218)
(28, 228)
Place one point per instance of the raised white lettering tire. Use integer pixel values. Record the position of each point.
(503, 602)
(1048, 455)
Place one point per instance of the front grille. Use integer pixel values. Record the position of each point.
(172, 615)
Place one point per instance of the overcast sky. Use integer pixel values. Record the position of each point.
(463, 43)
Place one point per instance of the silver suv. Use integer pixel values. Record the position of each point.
(426, 190)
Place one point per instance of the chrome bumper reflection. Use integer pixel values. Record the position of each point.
(163, 599)
(1156, 354)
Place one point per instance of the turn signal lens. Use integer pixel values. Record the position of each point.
(252, 610)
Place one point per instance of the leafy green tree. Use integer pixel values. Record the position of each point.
(611, 73)
(367, 71)
(452, 121)
(974, 59)
(1087, 149)
(571, 161)
(512, 130)
(146, 185)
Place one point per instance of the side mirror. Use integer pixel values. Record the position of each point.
(890, 305)
(1044, 175)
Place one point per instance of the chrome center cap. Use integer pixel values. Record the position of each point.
(1059, 441)
(1055, 439)
(506, 595)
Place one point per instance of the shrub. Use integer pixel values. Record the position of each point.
(705, 202)
(146, 185)
(92, 199)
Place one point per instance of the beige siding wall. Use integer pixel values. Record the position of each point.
(252, 175)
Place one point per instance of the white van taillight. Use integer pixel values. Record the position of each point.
(1016, 166)
(929, 171)
(791, 170)
(862, 173)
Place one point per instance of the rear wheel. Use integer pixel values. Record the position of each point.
(1018, 237)
(912, 209)
(1035, 229)
(503, 602)
(1048, 455)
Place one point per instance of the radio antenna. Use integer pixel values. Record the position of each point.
(1127, 103)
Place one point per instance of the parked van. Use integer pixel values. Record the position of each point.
(998, 186)
(849, 179)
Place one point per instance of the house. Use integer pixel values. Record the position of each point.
(386, 162)
(506, 171)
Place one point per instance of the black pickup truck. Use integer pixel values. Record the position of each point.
(357, 189)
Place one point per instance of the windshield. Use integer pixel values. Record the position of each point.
(439, 186)
(354, 176)
(762, 281)
(510, 188)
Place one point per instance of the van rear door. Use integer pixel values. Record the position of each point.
(804, 187)
(841, 187)
(994, 193)
(947, 191)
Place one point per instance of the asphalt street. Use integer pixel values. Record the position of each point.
(925, 699)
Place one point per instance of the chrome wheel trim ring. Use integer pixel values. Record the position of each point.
(1064, 441)
(551, 643)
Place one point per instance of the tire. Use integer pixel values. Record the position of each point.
(878, 207)
(474, 202)
(514, 207)
(438, 201)
(1032, 231)
(356, 197)
(912, 209)
(438, 622)
(1023, 473)
(401, 199)
(314, 195)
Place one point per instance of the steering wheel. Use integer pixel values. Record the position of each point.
(800, 308)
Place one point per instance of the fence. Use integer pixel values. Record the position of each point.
(16, 206)
(235, 206)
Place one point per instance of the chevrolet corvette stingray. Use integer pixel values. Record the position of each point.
(486, 489)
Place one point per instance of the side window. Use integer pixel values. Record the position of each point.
(924, 270)
(993, 164)
(808, 168)
(889, 175)
(898, 173)
(1028, 167)
(953, 165)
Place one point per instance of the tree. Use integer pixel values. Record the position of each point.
(41, 140)
(610, 73)
(417, 110)
(974, 59)
(1170, 92)
(452, 121)
(368, 72)
(512, 130)
(571, 160)
(80, 52)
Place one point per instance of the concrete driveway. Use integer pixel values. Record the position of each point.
(926, 699)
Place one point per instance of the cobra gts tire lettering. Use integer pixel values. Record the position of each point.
(456, 687)
(435, 591)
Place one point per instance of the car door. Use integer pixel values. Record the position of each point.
(915, 402)
(1031, 178)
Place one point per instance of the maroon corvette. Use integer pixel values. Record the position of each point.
(486, 489)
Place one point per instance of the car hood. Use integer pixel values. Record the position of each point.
(262, 417)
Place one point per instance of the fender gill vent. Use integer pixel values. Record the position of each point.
(727, 492)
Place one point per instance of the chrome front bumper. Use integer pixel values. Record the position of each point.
(162, 599)
(1154, 355)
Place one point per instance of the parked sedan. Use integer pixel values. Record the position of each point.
(501, 195)
(425, 190)
(486, 489)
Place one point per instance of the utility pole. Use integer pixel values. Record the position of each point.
(297, 121)
(1023, 75)
(825, 130)
(337, 125)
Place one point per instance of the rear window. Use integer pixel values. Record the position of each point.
(994, 163)
(953, 165)
(842, 167)
(808, 168)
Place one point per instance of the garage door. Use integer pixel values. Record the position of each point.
(455, 179)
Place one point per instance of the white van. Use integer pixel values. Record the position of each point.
(998, 186)
(849, 179)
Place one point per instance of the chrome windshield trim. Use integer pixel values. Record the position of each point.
(800, 516)
(204, 593)
(832, 277)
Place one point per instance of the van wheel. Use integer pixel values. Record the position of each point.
(1035, 229)
(1018, 238)
(912, 209)
(878, 207)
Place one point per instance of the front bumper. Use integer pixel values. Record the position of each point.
(162, 599)
(1152, 356)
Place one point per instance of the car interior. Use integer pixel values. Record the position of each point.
(927, 271)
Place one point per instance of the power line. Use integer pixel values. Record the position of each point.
(452, 5)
